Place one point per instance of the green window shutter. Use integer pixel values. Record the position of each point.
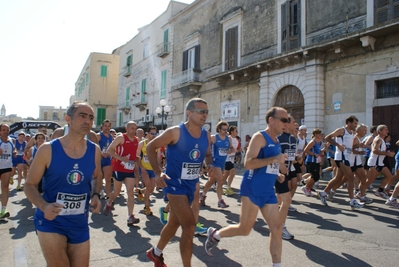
(166, 40)
(103, 71)
(163, 84)
(129, 60)
(120, 119)
(87, 78)
(101, 113)
(127, 97)
(143, 90)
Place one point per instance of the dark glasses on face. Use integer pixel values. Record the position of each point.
(283, 120)
(153, 133)
(224, 129)
(201, 111)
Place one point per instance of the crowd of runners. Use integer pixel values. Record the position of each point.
(68, 173)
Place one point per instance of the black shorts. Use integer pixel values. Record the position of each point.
(2, 171)
(291, 175)
(120, 176)
(314, 169)
(354, 168)
(282, 188)
(330, 160)
(228, 165)
(298, 168)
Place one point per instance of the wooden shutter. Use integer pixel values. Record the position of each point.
(381, 8)
(185, 60)
(127, 97)
(284, 26)
(129, 60)
(143, 90)
(120, 119)
(163, 84)
(294, 24)
(197, 56)
(101, 113)
(231, 48)
(395, 9)
(166, 40)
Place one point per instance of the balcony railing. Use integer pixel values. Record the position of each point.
(163, 49)
(187, 76)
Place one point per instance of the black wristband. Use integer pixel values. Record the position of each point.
(96, 194)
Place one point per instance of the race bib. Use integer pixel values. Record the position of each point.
(190, 171)
(290, 154)
(292, 168)
(231, 158)
(73, 204)
(348, 150)
(129, 165)
(273, 168)
(20, 152)
(318, 159)
(4, 157)
(145, 158)
(223, 151)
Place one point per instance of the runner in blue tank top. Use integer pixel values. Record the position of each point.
(188, 146)
(104, 140)
(263, 162)
(18, 162)
(68, 166)
(222, 145)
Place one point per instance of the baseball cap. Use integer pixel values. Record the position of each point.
(302, 127)
(112, 130)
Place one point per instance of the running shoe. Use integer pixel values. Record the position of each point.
(11, 181)
(222, 204)
(4, 214)
(200, 229)
(287, 235)
(355, 205)
(381, 194)
(392, 203)
(291, 208)
(210, 241)
(331, 195)
(157, 260)
(323, 198)
(147, 211)
(228, 192)
(202, 198)
(132, 220)
(107, 209)
(140, 195)
(19, 188)
(366, 200)
(306, 191)
(163, 216)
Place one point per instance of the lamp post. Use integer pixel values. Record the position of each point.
(163, 110)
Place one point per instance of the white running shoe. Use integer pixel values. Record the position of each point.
(287, 235)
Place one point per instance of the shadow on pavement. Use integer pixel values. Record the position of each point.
(327, 258)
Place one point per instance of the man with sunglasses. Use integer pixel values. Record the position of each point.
(188, 146)
(146, 171)
(264, 162)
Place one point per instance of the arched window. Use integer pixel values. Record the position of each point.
(291, 98)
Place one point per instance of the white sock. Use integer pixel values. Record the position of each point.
(392, 199)
(157, 251)
(276, 264)
(216, 235)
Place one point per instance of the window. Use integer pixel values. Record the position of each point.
(386, 10)
(231, 48)
(120, 119)
(45, 115)
(101, 114)
(145, 51)
(290, 25)
(129, 60)
(191, 58)
(103, 71)
(87, 78)
(388, 88)
(163, 84)
(143, 90)
(127, 98)
(166, 40)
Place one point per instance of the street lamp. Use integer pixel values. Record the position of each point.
(163, 110)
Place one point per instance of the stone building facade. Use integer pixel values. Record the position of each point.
(321, 60)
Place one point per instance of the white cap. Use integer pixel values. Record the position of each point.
(302, 127)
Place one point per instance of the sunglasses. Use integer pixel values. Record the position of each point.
(200, 111)
(283, 120)
(224, 129)
(153, 133)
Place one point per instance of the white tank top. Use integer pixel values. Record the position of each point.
(374, 159)
(300, 145)
(6, 156)
(347, 141)
(231, 156)
(358, 158)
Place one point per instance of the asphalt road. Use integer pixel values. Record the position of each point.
(324, 236)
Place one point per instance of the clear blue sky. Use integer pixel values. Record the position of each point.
(45, 43)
